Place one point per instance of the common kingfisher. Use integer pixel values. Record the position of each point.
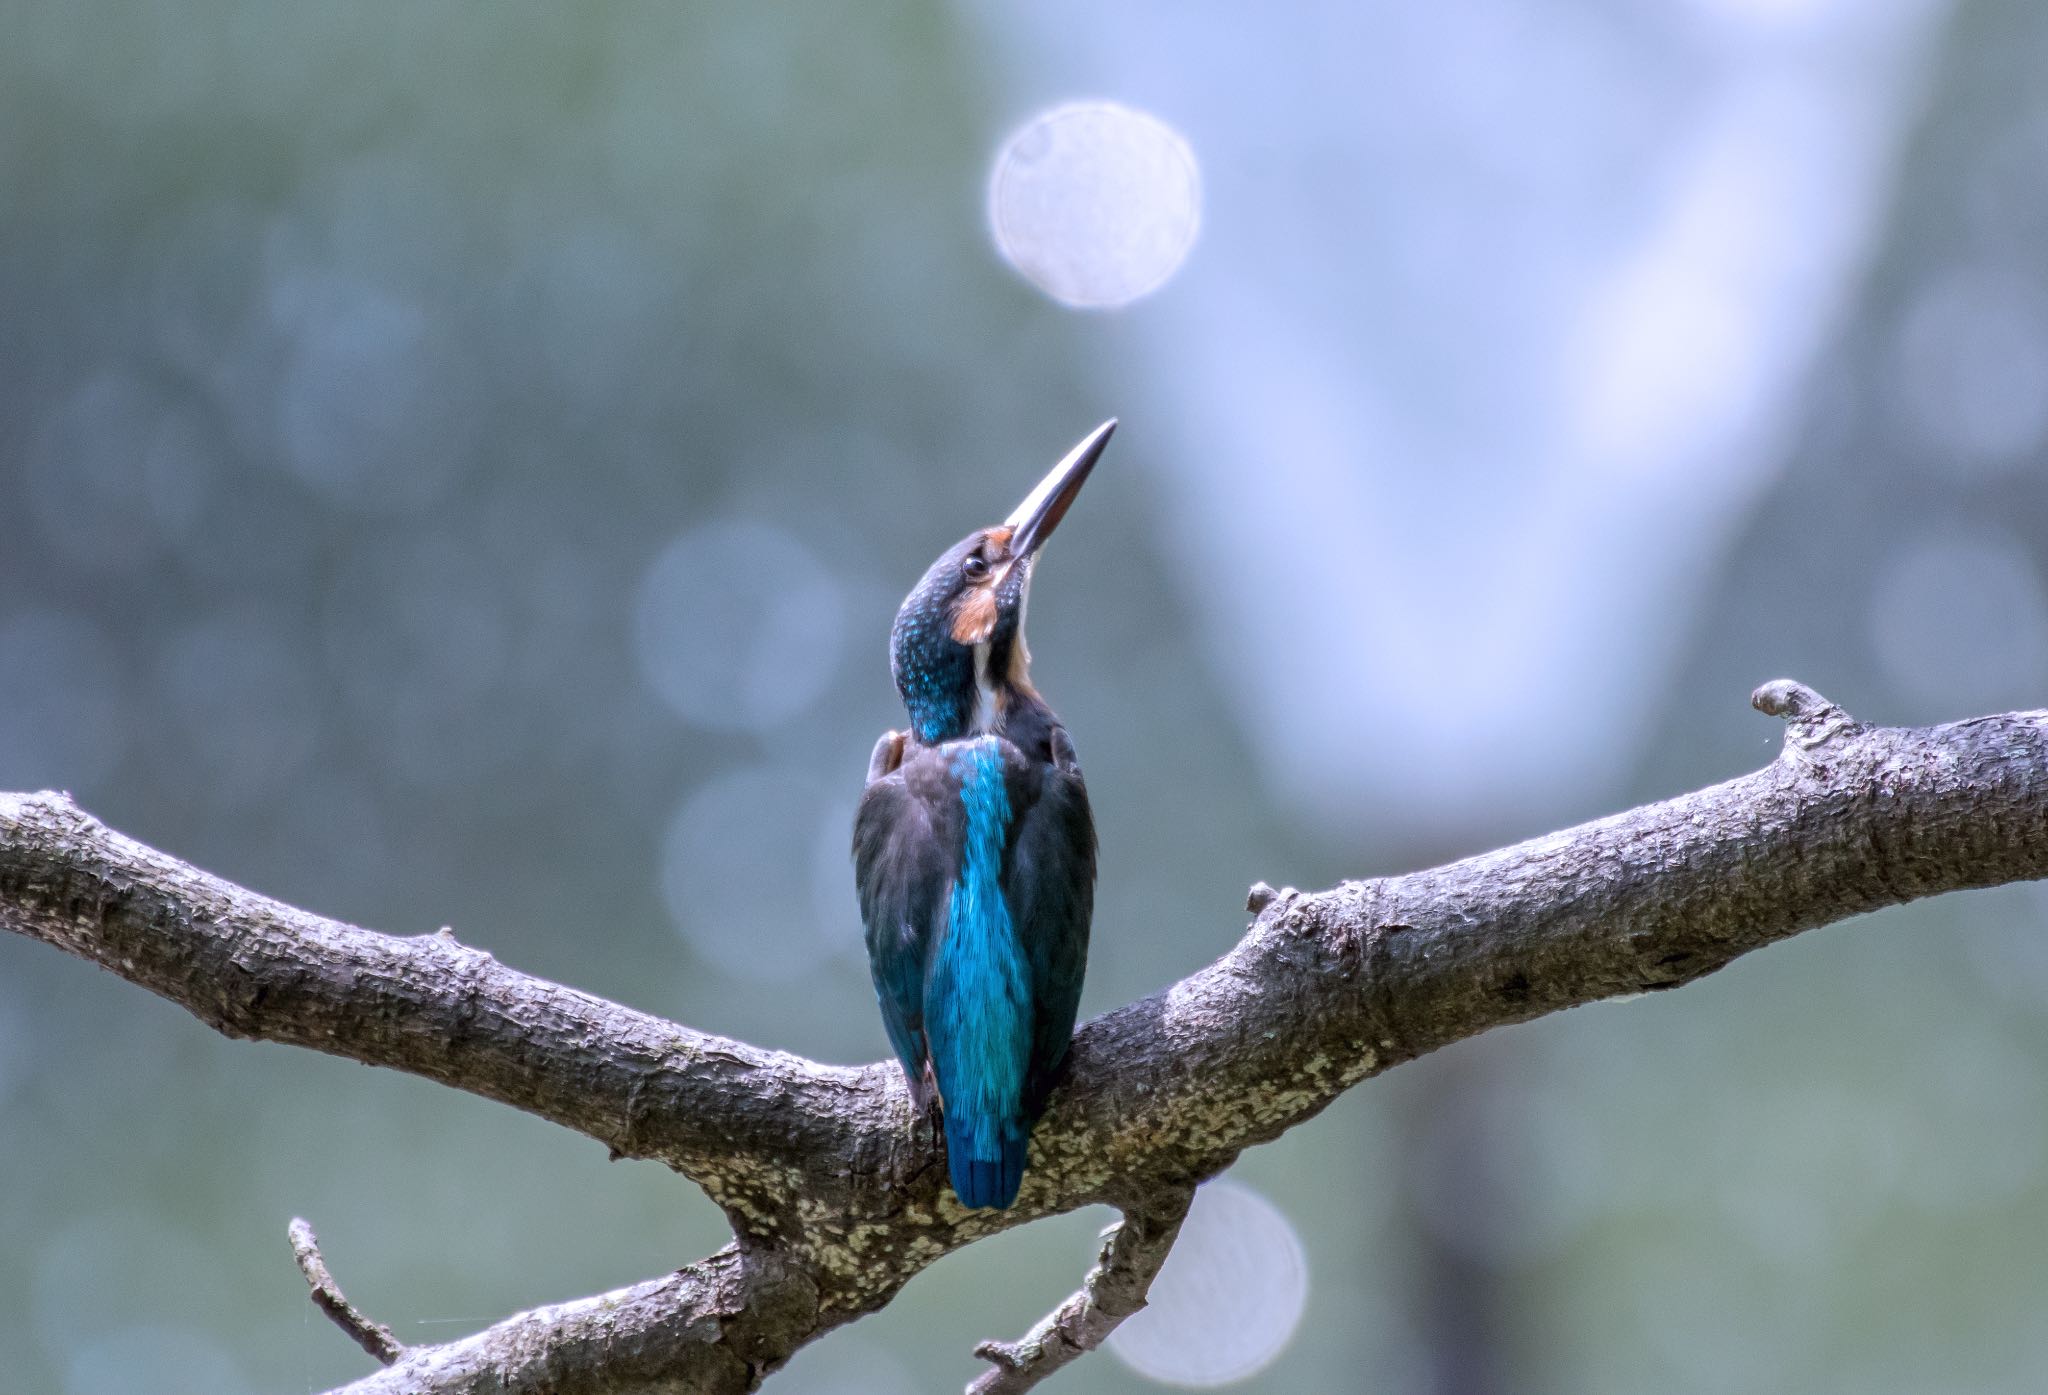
(974, 850)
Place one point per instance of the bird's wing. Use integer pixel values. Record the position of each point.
(1050, 885)
(903, 859)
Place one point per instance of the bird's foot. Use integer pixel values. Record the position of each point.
(927, 1110)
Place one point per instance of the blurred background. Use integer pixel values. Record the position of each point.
(458, 466)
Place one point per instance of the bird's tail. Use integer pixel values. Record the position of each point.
(986, 1170)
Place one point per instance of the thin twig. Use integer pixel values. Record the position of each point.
(1132, 1252)
(373, 1337)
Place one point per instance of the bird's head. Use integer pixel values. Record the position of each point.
(957, 648)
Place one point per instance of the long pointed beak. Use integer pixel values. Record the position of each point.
(1033, 520)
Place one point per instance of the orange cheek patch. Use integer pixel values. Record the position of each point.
(974, 616)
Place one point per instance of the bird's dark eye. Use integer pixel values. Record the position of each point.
(975, 568)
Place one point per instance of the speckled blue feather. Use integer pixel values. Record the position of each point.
(934, 675)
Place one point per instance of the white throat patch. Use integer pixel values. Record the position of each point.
(984, 690)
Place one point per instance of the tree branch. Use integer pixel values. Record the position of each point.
(1133, 1250)
(836, 1202)
(251, 967)
(373, 1337)
(718, 1325)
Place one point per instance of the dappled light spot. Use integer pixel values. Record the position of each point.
(725, 874)
(1095, 204)
(739, 627)
(1229, 1297)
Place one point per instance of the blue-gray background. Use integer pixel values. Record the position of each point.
(457, 466)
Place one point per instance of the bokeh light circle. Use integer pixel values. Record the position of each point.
(739, 627)
(1094, 203)
(725, 874)
(1229, 1298)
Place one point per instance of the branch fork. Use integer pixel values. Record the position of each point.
(1133, 1252)
(835, 1206)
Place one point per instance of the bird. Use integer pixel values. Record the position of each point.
(974, 851)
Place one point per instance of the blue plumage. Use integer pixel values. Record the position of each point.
(934, 674)
(974, 854)
(978, 995)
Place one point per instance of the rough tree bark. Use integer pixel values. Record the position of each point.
(835, 1204)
